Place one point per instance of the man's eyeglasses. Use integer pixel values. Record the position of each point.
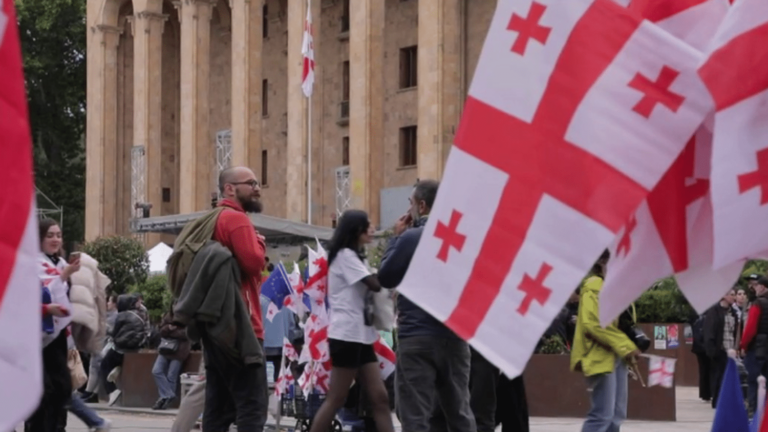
(251, 183)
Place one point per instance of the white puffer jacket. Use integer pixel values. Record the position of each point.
(89, 305)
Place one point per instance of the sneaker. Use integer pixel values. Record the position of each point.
(159, 404)
(106, 426)
(90, 398)
(168, 402)
(114, 374)
(114, 396)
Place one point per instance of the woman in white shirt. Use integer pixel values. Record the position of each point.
(54, 273)
(351, 334)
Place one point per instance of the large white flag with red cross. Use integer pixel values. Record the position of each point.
(736, 74)
(671, 232)
(576, 110)
(20, 295)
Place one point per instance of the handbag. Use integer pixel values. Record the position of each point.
(383, 310)
(76, 369)
(168, 347)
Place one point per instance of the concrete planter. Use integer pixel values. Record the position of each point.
(553, 390)
(137, 382)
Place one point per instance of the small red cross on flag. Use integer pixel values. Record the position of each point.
(536, 173)
(739, 180)
(671, 232)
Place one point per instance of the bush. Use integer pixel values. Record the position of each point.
(122, 259)
(663, 303)
(157, 297)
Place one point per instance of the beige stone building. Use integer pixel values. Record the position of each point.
(178, 89)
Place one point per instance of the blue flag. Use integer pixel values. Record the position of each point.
(731, 415)
(276, 287)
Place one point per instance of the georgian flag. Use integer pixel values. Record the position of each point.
(308, 53)
(289, 351)
(386, 358)
(558, 84)
(20, 288)
(661, 371)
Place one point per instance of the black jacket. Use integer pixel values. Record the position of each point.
(210, 305)
(129, 332)
(714, 328)
(411, 319)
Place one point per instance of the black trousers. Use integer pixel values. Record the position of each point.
(512, 405)
(483, 382)
(716, 373)
(234, 392)
(57, 388)
(110, 361)
(705, 392)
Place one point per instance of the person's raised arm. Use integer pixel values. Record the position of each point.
(397, 258)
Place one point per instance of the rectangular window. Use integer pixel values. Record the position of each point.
(408, 67)
(264, 98)
(345, 81)
(264, 22)
(264, 166)
(166, 195)
(345, 151)
(408, 146)
(345, 16)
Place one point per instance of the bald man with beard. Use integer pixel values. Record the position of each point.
(235, 391)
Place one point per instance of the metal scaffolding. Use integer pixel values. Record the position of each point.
(138, 184)
(223, 154)
(342, 190)
(46, 208)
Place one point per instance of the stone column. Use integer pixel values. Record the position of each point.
(439, 81)
(247, 42)
(147, 100)
(366, 100)
(197, 148)
(101, 133)
(296, 166)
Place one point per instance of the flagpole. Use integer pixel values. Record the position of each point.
(309, 160)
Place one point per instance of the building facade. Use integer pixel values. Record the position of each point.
(179, 89)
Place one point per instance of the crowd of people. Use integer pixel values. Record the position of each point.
(440, 382)
(736, 323)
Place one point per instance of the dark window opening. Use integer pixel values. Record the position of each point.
(345, 151)
(409, 67)
(264, 22)
(264, 166)
(408, 153)
(166, 195)
(264, 98)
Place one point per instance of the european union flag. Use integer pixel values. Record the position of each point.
(731, 415)
(276, 287)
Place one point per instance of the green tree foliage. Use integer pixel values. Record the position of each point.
(156, 296)
(122, 259)
(53, 44)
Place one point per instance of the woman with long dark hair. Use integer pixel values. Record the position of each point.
(351, 334)
(54, 274)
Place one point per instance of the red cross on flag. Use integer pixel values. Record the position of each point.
(661, 371)
(736, 74)
(671, 232)
(562, 137)
(308, 54)
(20, 343)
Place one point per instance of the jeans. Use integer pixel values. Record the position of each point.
(433, 372)
(93, 373)
(166, 372)
(235, 392)
(85, 413)
(609, 400)
(755, 368)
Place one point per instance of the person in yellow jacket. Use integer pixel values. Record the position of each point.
(602, 355)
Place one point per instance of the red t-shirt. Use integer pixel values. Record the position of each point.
(235, 231)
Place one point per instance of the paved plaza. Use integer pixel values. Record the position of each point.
(693, 415)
